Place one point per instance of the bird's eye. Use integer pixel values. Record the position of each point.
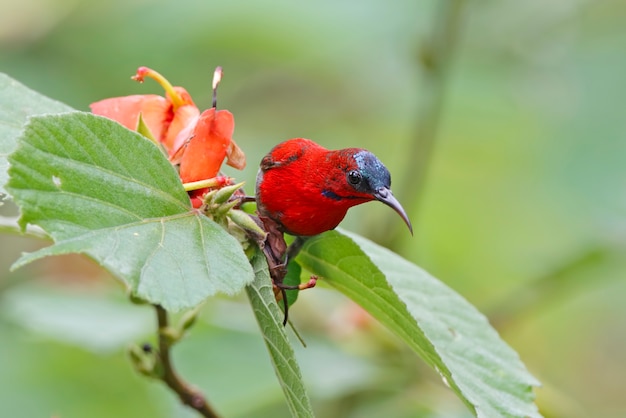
(354, 177)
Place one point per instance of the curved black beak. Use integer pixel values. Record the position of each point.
(384, 195)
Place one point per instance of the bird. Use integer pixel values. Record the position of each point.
(306, 189)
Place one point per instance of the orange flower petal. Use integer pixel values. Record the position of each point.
(125, 110)
(235, 156)
(207, 147)
(181, 127)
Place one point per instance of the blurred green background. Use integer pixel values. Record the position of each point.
(502, 123)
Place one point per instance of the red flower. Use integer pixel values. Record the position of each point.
(199, 142)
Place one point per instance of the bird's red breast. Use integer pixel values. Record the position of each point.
(304, 187)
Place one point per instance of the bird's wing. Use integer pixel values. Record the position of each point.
(287, 152)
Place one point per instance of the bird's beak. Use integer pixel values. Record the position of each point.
(384, 195)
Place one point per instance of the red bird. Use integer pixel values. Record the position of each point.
(307, 189)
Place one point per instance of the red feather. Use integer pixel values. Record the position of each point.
(303, 186)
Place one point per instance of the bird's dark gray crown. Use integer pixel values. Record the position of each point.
(374, 174)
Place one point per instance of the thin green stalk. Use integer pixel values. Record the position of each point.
(436, 56)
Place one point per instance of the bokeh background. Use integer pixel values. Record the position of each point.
(503, 124)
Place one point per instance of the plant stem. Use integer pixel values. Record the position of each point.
(188, 395)
(435, 61)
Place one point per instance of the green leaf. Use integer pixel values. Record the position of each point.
(85, 319)
(442, 327)
(270, 318)
(101, 190)
(17, 103)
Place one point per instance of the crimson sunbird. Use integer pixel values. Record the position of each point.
(307, 189)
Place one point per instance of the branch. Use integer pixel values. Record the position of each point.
(188, 395)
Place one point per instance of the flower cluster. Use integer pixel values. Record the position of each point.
(197, 142)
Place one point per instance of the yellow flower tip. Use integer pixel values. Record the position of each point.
(170, 91)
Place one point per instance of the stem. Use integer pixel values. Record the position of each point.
(188, 395)
(218, 181)
(294, 248)
(436, 64)
(436, 61)
(541, 291)
(217, 77)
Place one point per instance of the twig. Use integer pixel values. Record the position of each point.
(188, 395)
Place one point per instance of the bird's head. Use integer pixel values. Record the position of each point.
(366, 178)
